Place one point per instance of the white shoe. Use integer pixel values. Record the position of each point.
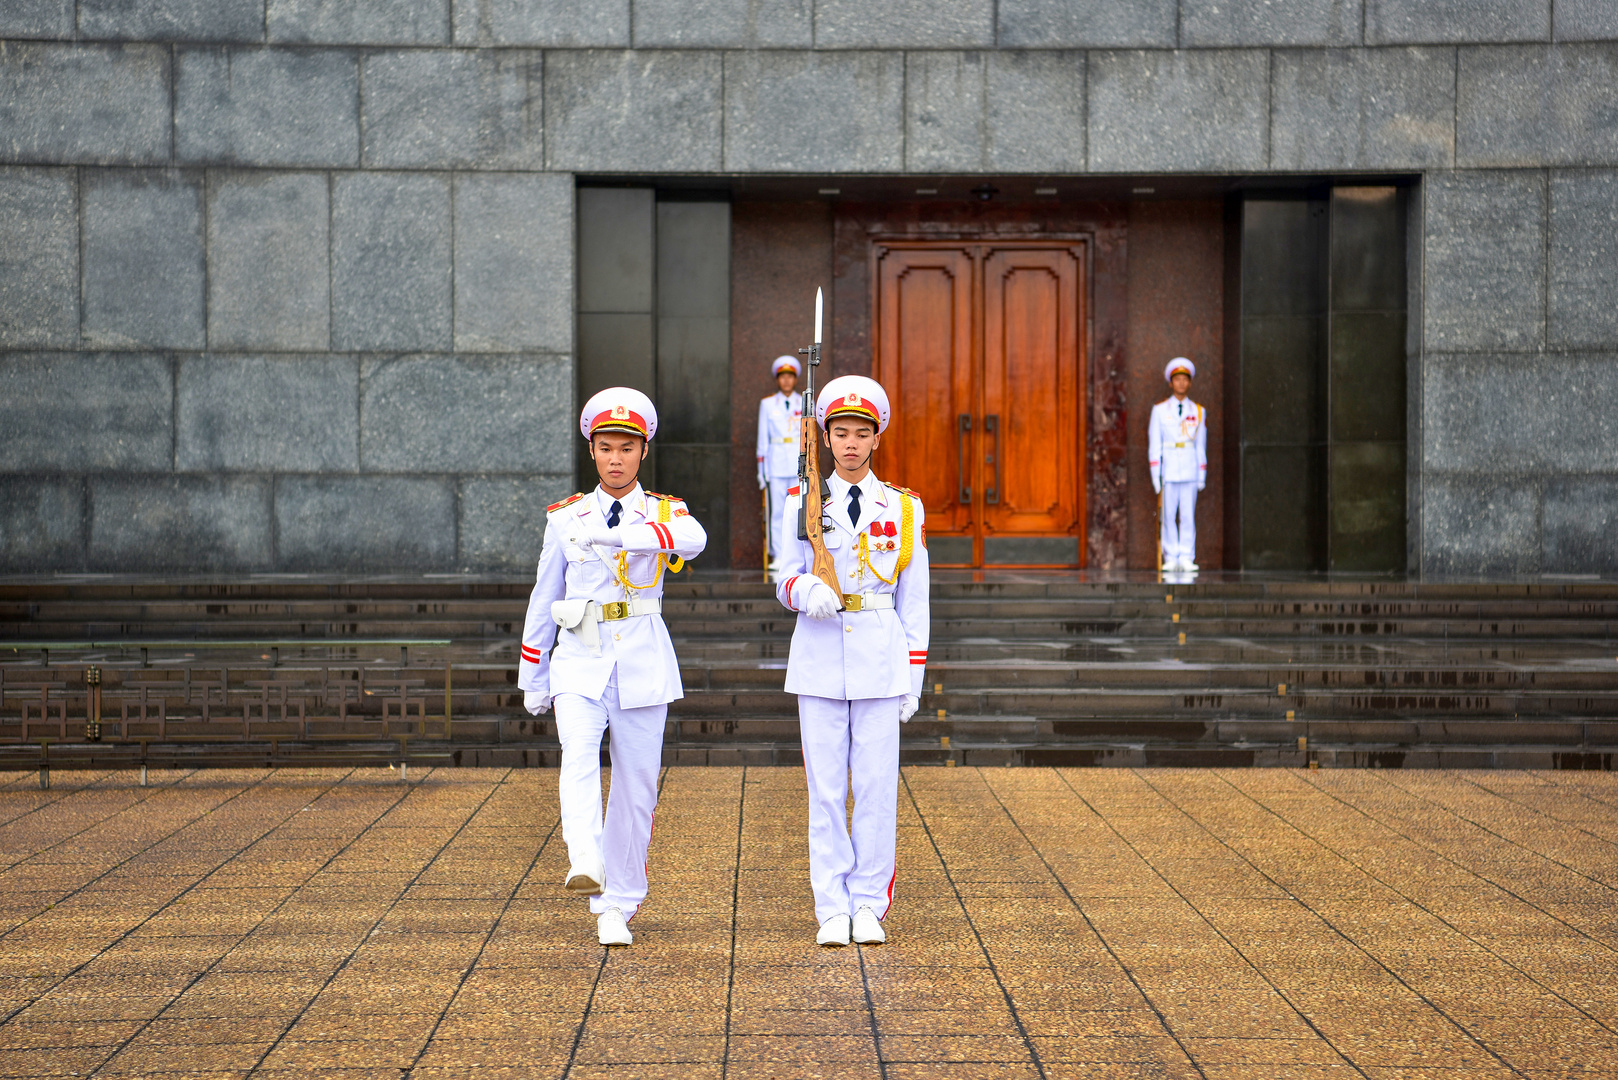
(612, 928)
(1188, 566)
(868, 928)
(834, 931)
(585, 878)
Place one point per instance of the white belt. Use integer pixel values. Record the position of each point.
(580, 617)
(628, 609)
(867, 601)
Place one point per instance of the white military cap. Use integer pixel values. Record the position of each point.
(853, 395)
(619, 408)
(786, 363)
(1179, 363)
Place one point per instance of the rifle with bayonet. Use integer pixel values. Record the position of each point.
(815, 489)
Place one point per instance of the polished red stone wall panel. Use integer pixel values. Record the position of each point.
(780, 251)
(1176, 308)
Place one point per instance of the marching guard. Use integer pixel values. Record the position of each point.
(598, 598)
(1177, 447)
(780, 420)
(856, 663)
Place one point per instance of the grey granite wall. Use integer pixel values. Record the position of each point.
(288, 284)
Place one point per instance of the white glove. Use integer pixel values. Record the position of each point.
(601, 536)
(1157, 488)
(820, 602)
(762, 483)
(536, 701)
(909, 707)
(1201, 486)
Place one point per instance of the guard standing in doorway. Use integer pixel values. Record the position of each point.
(598, 597)
(780, 418)
(857, 663)
(1177, 446)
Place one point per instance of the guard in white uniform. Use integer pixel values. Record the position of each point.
(598, 597)
(1177, 446)
(857, 672)
(780, 423)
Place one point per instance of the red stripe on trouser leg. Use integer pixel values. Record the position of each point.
(891, 880)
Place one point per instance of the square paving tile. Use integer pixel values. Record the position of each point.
(1425, 926)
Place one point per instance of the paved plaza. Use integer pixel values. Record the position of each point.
(1270, 924)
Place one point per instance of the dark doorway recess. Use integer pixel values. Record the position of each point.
(1323, 344)
(654, 313)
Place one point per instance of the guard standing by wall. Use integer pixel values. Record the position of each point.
(856, 664)
(613, 667)
(780, 418)
(1177, 446)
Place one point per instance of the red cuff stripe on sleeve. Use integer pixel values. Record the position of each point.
(532, 655)
(664, 537)
(791, 581)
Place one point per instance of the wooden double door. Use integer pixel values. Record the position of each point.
(981, 347)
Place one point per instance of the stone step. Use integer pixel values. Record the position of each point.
(946, 603)
(780, 623)
(1026, 668)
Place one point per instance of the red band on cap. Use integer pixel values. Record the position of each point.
(627, 419)
(862, 407)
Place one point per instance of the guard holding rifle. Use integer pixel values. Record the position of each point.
(858, 579)
(1177, 449)
(780, 422)
(613, 667)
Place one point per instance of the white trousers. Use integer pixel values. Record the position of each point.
(1180, 540)
(854, 742)
(778, 522)
(637, 755)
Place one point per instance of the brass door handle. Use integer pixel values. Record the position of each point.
(963, 435)
(991, 426)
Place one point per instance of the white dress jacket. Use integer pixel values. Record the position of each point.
(877, 653)
(1177, 443)
(556, 661)
(780, 426)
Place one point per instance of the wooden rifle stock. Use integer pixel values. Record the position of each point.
(810, 526)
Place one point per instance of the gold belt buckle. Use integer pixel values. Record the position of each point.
(617, 609)
(853, 602)
(1179, 446)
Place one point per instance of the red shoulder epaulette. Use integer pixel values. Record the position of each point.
(903, 490)
(569, 501)
(665, 498)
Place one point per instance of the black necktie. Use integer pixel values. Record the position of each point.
(612, 518)
(1181, 407)
(854, 507)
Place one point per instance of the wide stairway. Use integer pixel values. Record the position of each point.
(1024, 669)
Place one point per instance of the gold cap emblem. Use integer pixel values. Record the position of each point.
(620, 412)
(852, 399)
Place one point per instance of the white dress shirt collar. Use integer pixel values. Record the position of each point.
(604, 501)
(869, 487)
